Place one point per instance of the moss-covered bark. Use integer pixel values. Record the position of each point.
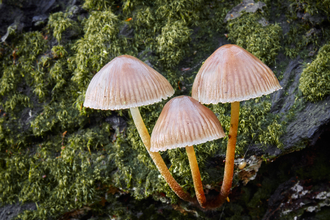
(63, 157)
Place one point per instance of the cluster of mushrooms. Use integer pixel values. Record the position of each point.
(231, 74)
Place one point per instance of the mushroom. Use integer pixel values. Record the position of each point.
(126, 82)
(232, 74)
(184, 122)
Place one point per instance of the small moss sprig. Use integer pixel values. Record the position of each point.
(100, 5)
(60, 22)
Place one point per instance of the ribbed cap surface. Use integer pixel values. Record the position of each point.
(184, 122)
(233, 74)
(126, 82)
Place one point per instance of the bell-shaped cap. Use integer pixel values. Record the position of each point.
(232, 74)
(126, 82)
(184, 122)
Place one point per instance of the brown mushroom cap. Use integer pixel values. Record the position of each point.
(232, 74)
(126, 82)
(184, 122)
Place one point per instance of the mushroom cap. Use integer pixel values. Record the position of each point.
(126, 82)
(232, 74)
(184, 122)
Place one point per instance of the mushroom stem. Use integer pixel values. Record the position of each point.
(196, 176)
(230, 156)
(158, 160)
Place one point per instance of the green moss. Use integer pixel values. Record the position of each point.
(63, 157)
(59, 51)
(68, 181)
(315, 78)
(189, 11)
(311, 7)
(58, 117)
(263, 42)
(299, 37)
(16, 84)
(306, 29)
(28, 51)
(99, 5)
(9, 80)
(173, 43)
(17, 99)
(98, 46)
(166, 27)
(60, 22)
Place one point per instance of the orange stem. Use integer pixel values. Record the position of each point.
(196, 176)
(230, 156)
